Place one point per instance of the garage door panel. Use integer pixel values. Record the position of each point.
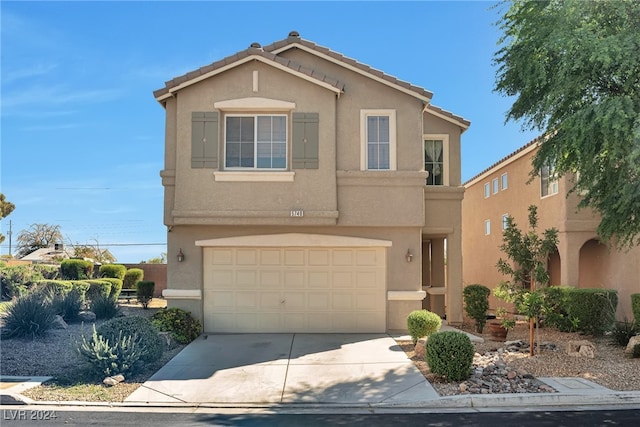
(294, 289)
(270, 279)
(294, 279)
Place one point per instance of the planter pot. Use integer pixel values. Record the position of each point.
(497, 331)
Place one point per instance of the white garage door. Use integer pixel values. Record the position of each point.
(294, 289)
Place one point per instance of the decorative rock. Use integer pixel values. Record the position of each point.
(511, 375)
(632, 343)
(581, 348)
(464, 387)
(111, 381)
(87, 316)
(59, 323)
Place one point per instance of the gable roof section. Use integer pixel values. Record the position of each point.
(270, 55)
(295, 41)
(528, 147)
(252, 53)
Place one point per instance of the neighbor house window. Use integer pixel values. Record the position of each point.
(378, 139)
(436, 159)
(487, 227)
(504, 181)
(256, 142)
(505, 221)
(487, 190)
(548, 181)
(495, 185)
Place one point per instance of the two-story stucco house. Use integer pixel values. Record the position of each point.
(581, 260)
(308, 192)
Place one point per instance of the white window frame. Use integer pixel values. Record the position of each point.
(445, 154)
(495, 186)
(364, 161)
(487, 227)
(504, 221)
(487, 190)
(255, 142)
(504, 181)
(551, 185)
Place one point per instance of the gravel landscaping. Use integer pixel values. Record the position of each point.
(497, 368)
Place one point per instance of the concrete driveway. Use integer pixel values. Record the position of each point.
(288, 368)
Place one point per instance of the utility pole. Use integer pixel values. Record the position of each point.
(9, 233)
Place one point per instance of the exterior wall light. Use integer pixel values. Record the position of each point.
(409, 255)
(180, 255)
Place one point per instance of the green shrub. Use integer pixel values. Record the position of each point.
(114, 271)
(622, 332)
(111, 356)
(81, 285)
(144, 292)
(56, 287)
(635, 307)
(476, 304)
(179, 323)
(131, 277)
(555, 312)
(30, 315)
(116, 287)
(104, 307)
(594, 309)
(147, 333)
(69, 304)
(17, 279)
(98, 287)
(422, 323)
(48, 272)
(76, 269)
(450, 355)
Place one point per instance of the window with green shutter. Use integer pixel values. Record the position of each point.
(204, 139)
(305, 140)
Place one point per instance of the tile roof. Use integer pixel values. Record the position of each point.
(294, 38)
(536, 140)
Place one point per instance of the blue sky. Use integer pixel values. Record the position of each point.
(82, 136)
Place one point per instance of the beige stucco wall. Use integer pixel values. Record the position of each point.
(601, 267)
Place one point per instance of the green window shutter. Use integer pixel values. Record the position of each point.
(204, 140)
(305, 141)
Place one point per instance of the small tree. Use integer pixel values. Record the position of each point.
(528, 254)
(37, 236)
(476, 304)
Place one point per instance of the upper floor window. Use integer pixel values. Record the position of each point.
(436, 159)
(548, 181)
(504, 182)
(505, 221)
(487, 227)
(495, 185)
(256, 142)
(378, 139)
(487, 190)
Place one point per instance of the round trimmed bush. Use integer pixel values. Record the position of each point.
(132, 277)
(56, 287)
(476, 304)
(76, 269)
(422, 323)
(635, 307)
(147, 334)
(98, 287)
(179, 323)
(450, 355)
(116, 286)
(114, 271)
(144, 292)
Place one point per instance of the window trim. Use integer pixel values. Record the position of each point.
(364, 161)
(487, 190)
(552, 183)
(487, 227)
(504, 181)
(255, 142)
(495, 186)
(445, 154)
(504, 221)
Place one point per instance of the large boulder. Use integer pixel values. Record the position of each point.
(634, 341)
(87, 316)
(59, 323)
(581, 348)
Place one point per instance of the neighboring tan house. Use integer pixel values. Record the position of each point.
(295, 196)
(51, 255)
(581, 260)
